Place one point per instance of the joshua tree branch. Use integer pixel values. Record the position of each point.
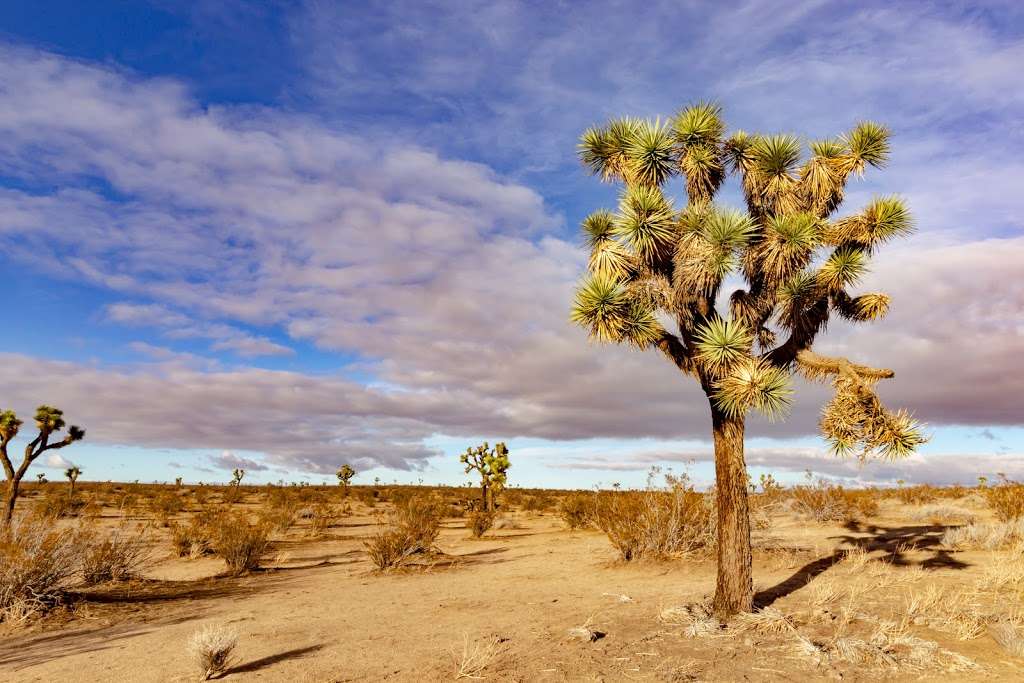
(816, 366)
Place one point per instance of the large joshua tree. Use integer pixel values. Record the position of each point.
(49, 422)
(656, 275)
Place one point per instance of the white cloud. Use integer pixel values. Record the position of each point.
(440, 275)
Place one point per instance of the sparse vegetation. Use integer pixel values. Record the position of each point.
(492, 466)
(240, 543)
(414, 528)
(576, 510)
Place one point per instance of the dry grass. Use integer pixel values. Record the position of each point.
(475, 656)
(998, 536)
(1009, 637)
(480, 522)
(212, 650)
(942, 513)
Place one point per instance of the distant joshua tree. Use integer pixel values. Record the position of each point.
(236, 477)
(177, 482)
(49, 422)
(345, 474)
(72, 474)
(41, 478)
(492, 466)
(656, 276)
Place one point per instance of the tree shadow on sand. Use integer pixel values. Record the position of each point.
(264, 662)
(894, 542)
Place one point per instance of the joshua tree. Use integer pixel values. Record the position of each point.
(177, 482)
(49, 422)
(345, 474)
(72, 474)
(236, 477)
(656, 275)
(492, 466)
(41, 478)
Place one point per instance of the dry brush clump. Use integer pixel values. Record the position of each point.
(1006, 500)
(986, 536)
(414, 527)
(656, 523)
(577, 510)
(240, 543)
(212, 650)
(119, 555)
(825, 502)
(38, 562)
(480, 522)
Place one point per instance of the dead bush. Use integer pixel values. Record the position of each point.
(415, 525)
(656, 523)
(825, 502)
(577, 510)
(119, 556)
(322, 516)
(211, 648)
(240, 543)
(977, 536)
(37, 563)
(480, 522)
(164, 505)
(195, 539)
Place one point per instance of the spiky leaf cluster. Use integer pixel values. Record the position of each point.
(651, 263)
(491, 463)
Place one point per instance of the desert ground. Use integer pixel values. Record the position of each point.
(887, 595)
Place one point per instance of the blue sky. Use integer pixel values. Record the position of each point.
(285, 235)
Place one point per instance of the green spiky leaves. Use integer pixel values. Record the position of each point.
(868, 144)
(607, 255)
(605, 151)
(776, 155)
(604, 306)
(754, 384)
(700, 124)
(884, 219)
(9, 425)
(647, 223)
(721, 345)
(651, 153)
(844, 268)
(49, 419)
(789, 241)
(709, 248)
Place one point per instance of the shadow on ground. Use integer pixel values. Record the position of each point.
(894, 542)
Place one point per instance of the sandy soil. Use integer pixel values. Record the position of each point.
(319, 612)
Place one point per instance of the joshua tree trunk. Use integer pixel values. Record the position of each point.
(11, 495)
(735, 590)
(485, 497)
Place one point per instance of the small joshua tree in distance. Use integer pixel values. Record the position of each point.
(657, 274)
(49, 422)
(236, 477)
(41, 477)
(345, 474)
(492, 465)
(72, 474)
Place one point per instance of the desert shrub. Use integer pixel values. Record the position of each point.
(656, 523)
(37, 563)
(117, 557)
(942, 513)
(415, 526)
(280, 509)
(1006, 500)
(195, 539)
(164, 505)
(239, 543)
(998, 536)
(576, 510)
(541, 502)
(56, 504)
(231, 495)
(211, 649)
(480, 522)
(824, 502)
(322, 516)
(916, 495)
